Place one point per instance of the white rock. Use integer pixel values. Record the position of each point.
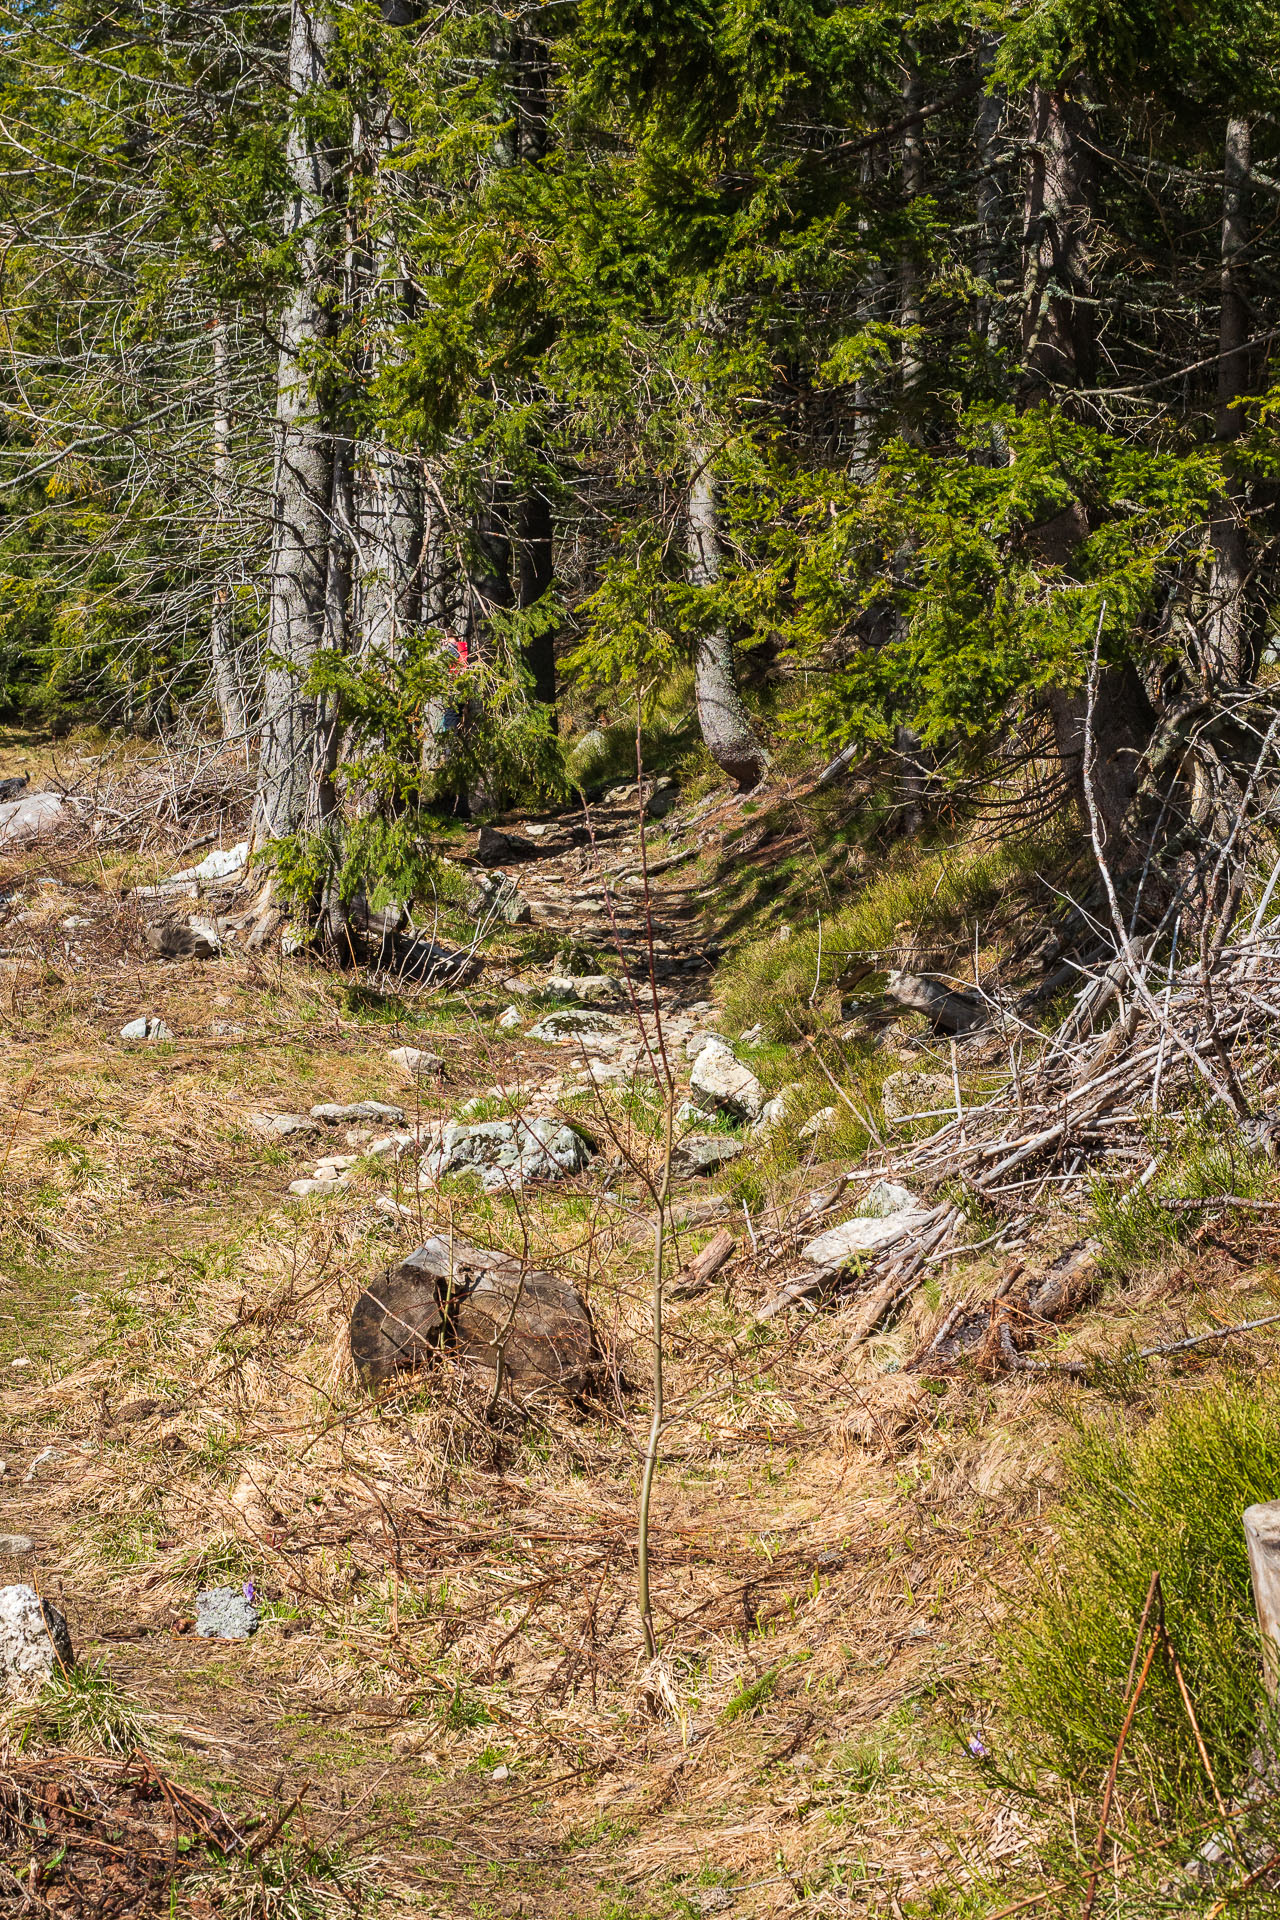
(884, 1197)
(721, 1083)
(391, 1146)
(34, 1640)
(589, 989)
(42, 1459)
(505, 1153)
(306, 1188)
(145, 1028)
(414, 1062)
(500, 1773)
(702, 1037)
(28, 818)
(751, 1036)
(218, 865)
(511, 1019)
(335, 1114)
(840, 1245)
(818, 1123)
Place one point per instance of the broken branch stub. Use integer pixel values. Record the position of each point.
(480, 1303)
(949, 1010)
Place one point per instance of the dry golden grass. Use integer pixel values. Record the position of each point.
(449, 1594)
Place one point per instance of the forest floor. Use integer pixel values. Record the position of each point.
(450, 1680)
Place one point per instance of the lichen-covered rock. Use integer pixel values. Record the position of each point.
(415, 1062)
(576, 1023)
(282, 1126)
(334, 1114)
(226, 1613)
(497, 897)
(505, 1153)
(146, 1027)
(703, 1153)
(590, 989)
(855, 1239)
(721, 1084)
(35, 1640)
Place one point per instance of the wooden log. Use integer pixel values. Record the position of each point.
(1262, 1537)
(701, 1270)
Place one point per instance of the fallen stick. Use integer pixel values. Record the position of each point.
(1214, 1333)
(1219, 1200)
(698, 1275)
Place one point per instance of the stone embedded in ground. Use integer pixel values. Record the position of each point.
(721, 1084)
(510, 1019)
(29, 817)
(225, 1613)
(145, 1028)
(702, 1153)
(752, 1036)
(591, 989)
(505, 1153)
(950, 1011)
(576, 1023)
(228, 1030)
(308, 1189)
(280, 1126)
(415, 1061)
(703, 1037)
(853, 1240)
(911, 1090)
(496, 849)
(334, 1115)
(35, 1640)
(474, 1299)
(179, 939)
(665, 796)
(818, 1122)
(17, 1544)
(499, 898)
(885, 1197)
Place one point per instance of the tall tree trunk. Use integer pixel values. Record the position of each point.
(1057, 325)
(227, 678)
(988, 196)
(910, 278)
(724, 721)
(1226, 643)
(292, 790)
(535, 569)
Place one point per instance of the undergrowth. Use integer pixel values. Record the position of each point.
(1168, 1499)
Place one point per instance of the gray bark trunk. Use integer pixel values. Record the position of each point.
(910, 277)
(724, 721)
(1057, 336)
(292, 788)
(228, 683)
(1226, 649)
(988, 197)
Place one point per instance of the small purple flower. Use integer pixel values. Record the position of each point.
(976, 1747)
(248, 1591)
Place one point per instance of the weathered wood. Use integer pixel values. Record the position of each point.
(1262, 1537)
(704, 1266)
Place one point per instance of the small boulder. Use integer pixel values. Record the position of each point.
(333, 1114)
(414, 1061)
(146, 1027)
(226, 1613)
(703, 1153)
(589, 989)
(949, 1010)
(282, 1126)
(17, 1545)
(497, 849)
(857, 1239)
(35, 1640)
(498, 898)
(30, 817)
(308, 1189)
(818, 1122)
(575, 1023)
(721, 1084)
(511, 1020)
(505, 1153)
(885, 1197)
(178, 939)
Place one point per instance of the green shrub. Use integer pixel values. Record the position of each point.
(1169, 1499)
(1198, 1159)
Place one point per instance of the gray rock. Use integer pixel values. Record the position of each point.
(590, 989)
(950, 1011)
(721, 1084)
(499, 898)
(885, 1197)
(856, 1239)
(496, 849)
(334, 1114)
(28, 818)
(818, 1123)
(575, 1023)
(145, 1028)
(701, 1153)
(308, 1189)
(179, 939)
(511, 1020)
(228, 1030)
(414, 1061)
(17, 1544)
(505, 1153)
(34, 1640)
(665, 796)
(700, 1038)
(281, 1126)
(912, 1091)
(225, 1613)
